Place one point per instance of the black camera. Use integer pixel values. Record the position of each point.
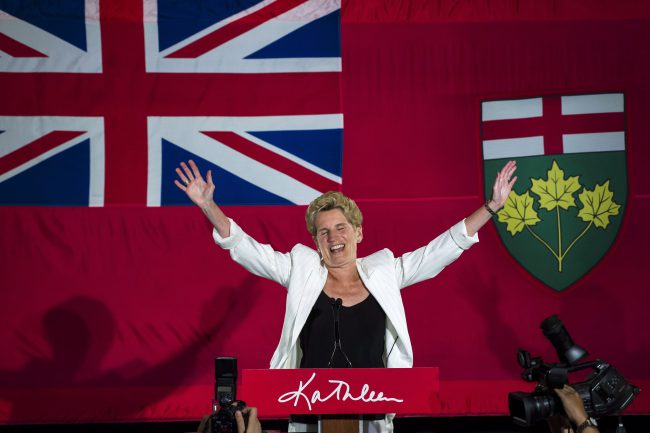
(604, 392)
(225, 394)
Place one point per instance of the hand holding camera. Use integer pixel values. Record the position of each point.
(247, 421)
(572, 404)
(604, 392)
(229, 414)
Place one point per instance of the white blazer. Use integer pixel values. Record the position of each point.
(302, 273)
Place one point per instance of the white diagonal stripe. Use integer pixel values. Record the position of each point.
(230, 56)
(208, 30)
(61, 55)
(290, 156)
(22, 130)
(186, 133)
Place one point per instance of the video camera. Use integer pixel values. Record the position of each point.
(225, 394)
(604, 392)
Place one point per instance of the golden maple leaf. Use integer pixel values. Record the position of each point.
(556, 191)
(518, 212)
(598, 205)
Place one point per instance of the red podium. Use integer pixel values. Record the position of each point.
(342, 394)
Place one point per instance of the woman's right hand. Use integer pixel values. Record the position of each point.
(200, 191)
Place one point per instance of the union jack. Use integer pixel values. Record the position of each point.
(249, 82)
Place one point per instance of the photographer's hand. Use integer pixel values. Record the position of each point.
(254, 425)
(574, 406)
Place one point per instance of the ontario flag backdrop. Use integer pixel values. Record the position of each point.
(115, 299)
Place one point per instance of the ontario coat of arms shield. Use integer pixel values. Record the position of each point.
(567, 206)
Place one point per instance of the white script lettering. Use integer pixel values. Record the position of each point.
(341, 392)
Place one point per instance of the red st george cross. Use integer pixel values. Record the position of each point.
(124, 94)
(552, 125)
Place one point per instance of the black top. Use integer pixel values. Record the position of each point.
(361, 328)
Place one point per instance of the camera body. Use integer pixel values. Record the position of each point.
(605, 391)
(223, 418)
(225, 394)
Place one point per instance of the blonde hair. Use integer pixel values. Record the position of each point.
(333, 200)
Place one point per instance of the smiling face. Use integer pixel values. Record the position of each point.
(336, 238)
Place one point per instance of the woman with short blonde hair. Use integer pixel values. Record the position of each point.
(332, 285)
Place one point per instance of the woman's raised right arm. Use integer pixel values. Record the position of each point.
(260, 259)
(201, 192)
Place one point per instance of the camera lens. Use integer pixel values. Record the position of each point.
(527, 409)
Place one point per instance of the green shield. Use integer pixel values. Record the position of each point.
(564, 212)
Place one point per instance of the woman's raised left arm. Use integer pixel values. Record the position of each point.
(500, 191)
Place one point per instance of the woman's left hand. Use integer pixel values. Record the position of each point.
(503, 185)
